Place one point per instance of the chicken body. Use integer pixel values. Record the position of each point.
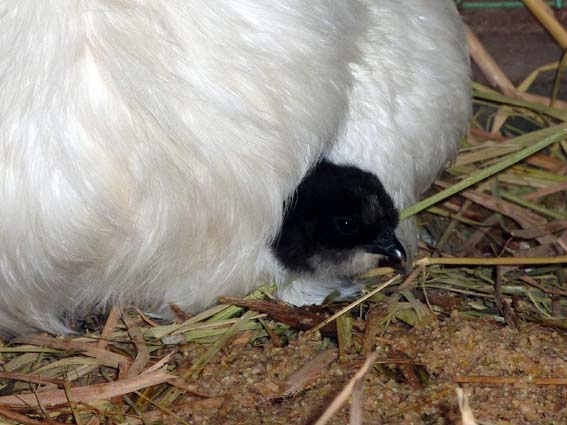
(147, 147)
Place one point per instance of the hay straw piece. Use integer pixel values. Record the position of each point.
(347, 391)
(467, 416)
(143, 355)
(485, 151)
(295, 317)
(344, 335)
(89, 393)
(356, 403)
(534, 196)
(546, 162)
(273, 336)
(372, 326)
(533, 76)
(481, 92)
(550, 136)
(532, 206)
(179, 313)
(353, 305)
(300, 379)
(501, 380)
(67, 365)
(159, 364)
(510, 316)
(71, 403)
(523, 217)
(109, 326)
(503, 261)
(19, 418)
(31, 378)
(545, 16)
(145, 318)
(221, 342)
(533, 283)
(161, 331)
(104, 357)
(488, 65)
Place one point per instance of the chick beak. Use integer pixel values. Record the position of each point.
(389, 246)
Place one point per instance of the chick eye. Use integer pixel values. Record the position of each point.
(345, 225)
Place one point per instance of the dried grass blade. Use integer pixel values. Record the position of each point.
(537, 231)
(356, 404)
(518, 214)
(503, 261)
(467, 416)
(488, 65)
(487, 152)
(353, 304)
(300, 379)
(19, 418)
(482, 93)
(159, 364)
(143, 355)
(105, 357)
(347, 391)
(161, 331)
(295, 317)
(221, 342)
(372, 326)
(344, 335)
(558, 133)
(532, 206)
(545, 15)
(534, 196)
(509, 315)
(111, 322)
(34, 379)
(89, 393)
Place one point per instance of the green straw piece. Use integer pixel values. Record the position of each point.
(559, 133)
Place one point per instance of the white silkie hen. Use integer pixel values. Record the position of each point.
(148, 147)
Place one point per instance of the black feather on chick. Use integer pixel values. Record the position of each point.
(338, 213)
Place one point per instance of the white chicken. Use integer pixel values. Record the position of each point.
(148, 147)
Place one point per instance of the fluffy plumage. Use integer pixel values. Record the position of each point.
(408, 109)
(147, 147)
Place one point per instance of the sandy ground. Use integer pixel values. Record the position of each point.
(246, 379)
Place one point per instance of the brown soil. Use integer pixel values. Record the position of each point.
(247, 378)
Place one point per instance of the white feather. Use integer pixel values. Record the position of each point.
(306, 291)
(147, 147)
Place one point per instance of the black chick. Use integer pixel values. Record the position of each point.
(338, 220)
